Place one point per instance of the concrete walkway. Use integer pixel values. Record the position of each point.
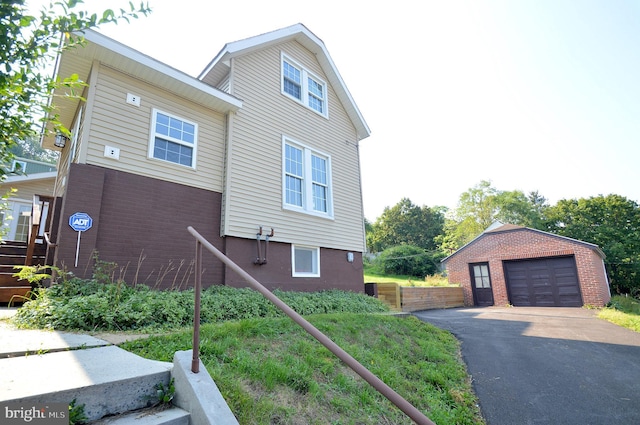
(560, 366)
(56, 367)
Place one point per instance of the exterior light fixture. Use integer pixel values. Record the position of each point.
(60, 140)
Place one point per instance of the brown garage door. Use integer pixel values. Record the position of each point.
(543, 282)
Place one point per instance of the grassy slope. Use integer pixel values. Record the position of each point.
(623, 311)
(270, 371)
(374, 276)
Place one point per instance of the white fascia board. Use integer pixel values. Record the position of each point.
(308, 39)
(136, 56)
(31, 177)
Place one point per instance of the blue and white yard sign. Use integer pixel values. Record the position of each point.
(80, 222)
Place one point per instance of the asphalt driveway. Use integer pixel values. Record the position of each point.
(547, 365)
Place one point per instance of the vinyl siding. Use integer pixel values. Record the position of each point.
(126, 127)
(71, 151)
(26, 189)
(218, 77)
(255, 167)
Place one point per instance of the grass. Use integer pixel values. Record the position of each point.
(267, 368)
(271, 372)
(374, 276)
(623, 311)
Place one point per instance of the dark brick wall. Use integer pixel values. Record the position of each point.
(496, 247)
(141, 223)
(335, 271)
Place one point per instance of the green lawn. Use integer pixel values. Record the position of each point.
(623, 311)
(267, 368)
(371, 275)
(271, 372)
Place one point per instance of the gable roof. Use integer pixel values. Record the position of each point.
(498, 227)
(97, 47)
(311, 42)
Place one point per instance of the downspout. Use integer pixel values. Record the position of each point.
(226, 183)
(259, 258)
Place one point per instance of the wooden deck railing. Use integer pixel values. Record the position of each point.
(41, 206)
(372, 379)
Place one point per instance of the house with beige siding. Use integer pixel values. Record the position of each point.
(30, 178)
(259, 153)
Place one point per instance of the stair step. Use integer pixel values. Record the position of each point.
(7, 279)
(12, 260)
(14, 294)
(21, 247)
(150, 416)
(107, 380)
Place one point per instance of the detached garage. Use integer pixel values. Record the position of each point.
(519, 266)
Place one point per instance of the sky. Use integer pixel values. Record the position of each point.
(531, 95)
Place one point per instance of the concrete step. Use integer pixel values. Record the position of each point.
(107, 380)
(151, 416)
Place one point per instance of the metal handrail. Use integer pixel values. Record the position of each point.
(364, 373)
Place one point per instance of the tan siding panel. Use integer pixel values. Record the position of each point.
(118, 124)
(256, 167)
(27, 189)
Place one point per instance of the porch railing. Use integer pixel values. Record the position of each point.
(41, 206)
(364, 373)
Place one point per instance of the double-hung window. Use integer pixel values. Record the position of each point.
(173, 139)
(304, 87)
(306, 179)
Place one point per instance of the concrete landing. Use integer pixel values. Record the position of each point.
(19, 342)
(40, 366)
(107, 380)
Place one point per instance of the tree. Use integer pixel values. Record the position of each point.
(408, 224)
(31, 149)
(482, 205)
(407, 260)
(613, 223)
(27, 44)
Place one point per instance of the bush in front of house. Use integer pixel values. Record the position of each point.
(408, 260)
(77, 304)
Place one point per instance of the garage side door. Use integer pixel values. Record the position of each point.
(543, 282)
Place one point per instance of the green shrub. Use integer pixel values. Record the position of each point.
(406, 260)
(90, 306)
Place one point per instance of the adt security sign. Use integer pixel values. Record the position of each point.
(80, 222)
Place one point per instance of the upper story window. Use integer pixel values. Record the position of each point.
(173, 139)
(301, 85)
(306, 179)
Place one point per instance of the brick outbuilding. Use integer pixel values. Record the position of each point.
(516, 265)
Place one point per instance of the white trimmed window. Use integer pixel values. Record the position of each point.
(173, 139)
(306, 179)
(305, 261)
(304, 87)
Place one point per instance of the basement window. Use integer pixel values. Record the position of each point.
(305, 261)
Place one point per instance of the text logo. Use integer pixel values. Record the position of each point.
(80, 222)
(40, 414)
